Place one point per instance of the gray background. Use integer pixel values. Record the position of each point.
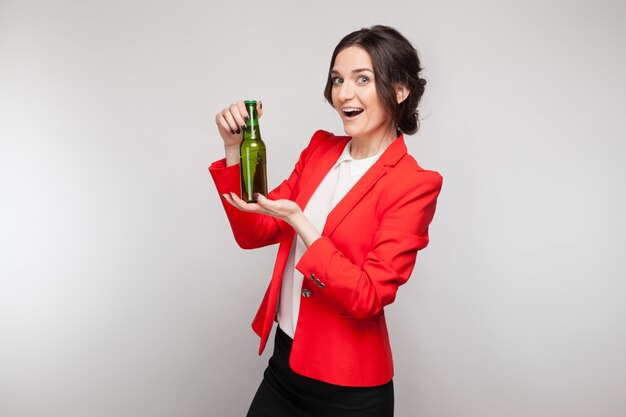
(122, 292)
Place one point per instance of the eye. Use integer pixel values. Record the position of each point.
(337, 80)
(362, 79)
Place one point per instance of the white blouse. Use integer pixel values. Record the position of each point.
(339, 180)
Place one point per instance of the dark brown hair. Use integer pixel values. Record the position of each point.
(395, 63)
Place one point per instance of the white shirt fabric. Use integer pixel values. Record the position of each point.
(339, 180)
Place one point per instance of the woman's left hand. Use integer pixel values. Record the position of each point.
(283, 209)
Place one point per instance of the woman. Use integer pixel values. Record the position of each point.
(349, 220)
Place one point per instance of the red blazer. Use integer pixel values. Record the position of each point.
(367, 250)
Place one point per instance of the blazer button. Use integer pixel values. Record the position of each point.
(317, 281)
(306, 293)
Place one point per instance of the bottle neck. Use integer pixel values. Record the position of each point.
(252, 130)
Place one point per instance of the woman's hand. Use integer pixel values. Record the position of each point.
(230, 123)
(285, 210)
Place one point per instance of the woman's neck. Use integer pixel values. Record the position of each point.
(362, 148)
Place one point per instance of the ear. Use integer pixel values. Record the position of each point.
(401, 93)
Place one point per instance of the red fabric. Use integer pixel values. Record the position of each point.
(367, 250)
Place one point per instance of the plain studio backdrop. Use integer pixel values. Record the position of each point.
(123, 293)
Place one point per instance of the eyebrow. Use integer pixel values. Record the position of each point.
(354, 71)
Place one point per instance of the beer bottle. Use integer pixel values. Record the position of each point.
(252, 157)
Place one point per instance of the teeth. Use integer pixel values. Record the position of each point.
(351, 109)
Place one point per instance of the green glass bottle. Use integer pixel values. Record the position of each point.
(252, 157)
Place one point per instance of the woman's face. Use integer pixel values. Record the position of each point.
(355, 97)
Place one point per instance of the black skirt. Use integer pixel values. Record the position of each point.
(283, 393)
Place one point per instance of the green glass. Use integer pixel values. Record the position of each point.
(252, 157)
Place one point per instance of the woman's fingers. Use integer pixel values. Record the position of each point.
(223, 125)
(263, 208)
(231, 121)
(243, 111)
(238, 201)
(268, 206)
(264, 202)
(228, 115)
(234, 118)
(239, 114)
(240, 204)
(281, 209)
(277, 208)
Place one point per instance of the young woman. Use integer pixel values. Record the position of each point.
(349, 220)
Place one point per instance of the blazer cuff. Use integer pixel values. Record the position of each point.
(314, 258)
(226, 179)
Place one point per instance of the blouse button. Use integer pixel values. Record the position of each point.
(306, 293)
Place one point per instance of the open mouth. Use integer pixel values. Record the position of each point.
(352, 111)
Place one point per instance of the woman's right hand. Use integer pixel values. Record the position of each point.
(232, 120)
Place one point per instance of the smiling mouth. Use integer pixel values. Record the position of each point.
(352, 111)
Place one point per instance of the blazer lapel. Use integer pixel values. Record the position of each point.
(389, 158)
(321, 164)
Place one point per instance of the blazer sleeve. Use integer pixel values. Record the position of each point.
(363, 290)
(253, 230)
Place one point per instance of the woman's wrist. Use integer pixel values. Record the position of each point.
(231, 154)
(303, 227)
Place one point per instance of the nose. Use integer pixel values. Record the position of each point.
(346, 91)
